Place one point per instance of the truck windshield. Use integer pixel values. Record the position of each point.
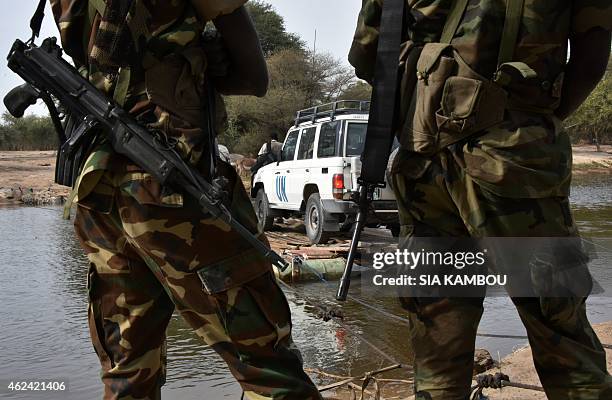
(355, 139)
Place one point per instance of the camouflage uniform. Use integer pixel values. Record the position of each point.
(511, 180)
(151, 250)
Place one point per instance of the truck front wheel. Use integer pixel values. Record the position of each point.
(266, 220)
(314, 220)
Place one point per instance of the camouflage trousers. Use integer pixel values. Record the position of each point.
(437, 198)
(148, 259)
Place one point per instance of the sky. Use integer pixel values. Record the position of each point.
(333, 20)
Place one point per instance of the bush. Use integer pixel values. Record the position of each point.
(593, 120)
(28, 133)
(298, 80)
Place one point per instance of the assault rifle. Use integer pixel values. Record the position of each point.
(49, 77)
(379, 137)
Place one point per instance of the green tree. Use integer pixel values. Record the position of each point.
(270, 26)
(298, 80)
(357, 90)
(592, 122)
(27, 133)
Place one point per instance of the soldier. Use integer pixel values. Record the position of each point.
(151, 250)
(510, 178)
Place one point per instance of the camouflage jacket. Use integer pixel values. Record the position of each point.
(529, 155)
(542, 42)
(168, 80)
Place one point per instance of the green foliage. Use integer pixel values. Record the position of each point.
(594, 118)
(28, 133)
(359, 90)
(297, 80)
(271, 29)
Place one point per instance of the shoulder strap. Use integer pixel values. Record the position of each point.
(512, 25)
(379, 136)
(97, 5)
(453, 20)
(37, 19)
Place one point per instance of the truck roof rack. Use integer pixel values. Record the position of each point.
(331, 110)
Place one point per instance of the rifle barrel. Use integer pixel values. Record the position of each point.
(345, 281)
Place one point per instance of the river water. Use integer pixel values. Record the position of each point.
(44, 334)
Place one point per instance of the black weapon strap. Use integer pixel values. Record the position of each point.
(383, 110)
(37, 19)
(512, 26)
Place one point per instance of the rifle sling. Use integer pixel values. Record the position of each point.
(37, 18)
(512, 25)
(379, 137)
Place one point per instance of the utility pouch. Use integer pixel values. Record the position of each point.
(470, 103)
(451, 101)
(176, 84)
(233, 272)
(419, 131)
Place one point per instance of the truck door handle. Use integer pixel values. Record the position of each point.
(278, 173)
(288, 171)
(307, 170)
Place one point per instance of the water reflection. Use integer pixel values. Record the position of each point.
(45, 335)
(591, 198)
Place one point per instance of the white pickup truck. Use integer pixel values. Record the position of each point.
(317, 174)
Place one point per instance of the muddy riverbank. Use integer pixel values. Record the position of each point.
(519, 367)
(26, 177)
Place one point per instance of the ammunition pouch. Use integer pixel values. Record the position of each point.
(443, 100)
(176, 84)
(450, 102)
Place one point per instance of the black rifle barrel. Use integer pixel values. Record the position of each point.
(379, 137)
(44, 68)
(345, 281)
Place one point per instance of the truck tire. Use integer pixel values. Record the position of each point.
(262, 207)
(314, 220)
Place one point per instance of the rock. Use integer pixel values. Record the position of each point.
(6, 193)
(482, 361)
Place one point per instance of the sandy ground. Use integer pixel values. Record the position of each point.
(587, 158)
(519, 367)
(30, 173)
